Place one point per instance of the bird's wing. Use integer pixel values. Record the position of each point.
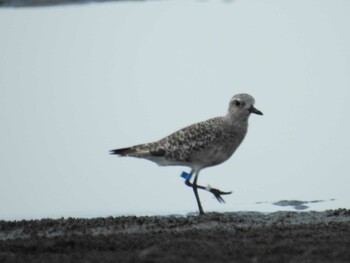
(182, 144)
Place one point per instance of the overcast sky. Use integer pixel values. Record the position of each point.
(79, 80)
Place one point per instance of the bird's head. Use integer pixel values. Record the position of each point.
(241, 106)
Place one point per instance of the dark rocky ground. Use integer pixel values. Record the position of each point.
(229, 237)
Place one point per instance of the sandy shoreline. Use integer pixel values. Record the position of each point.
(214, 237)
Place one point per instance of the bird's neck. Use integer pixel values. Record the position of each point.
(237, 120)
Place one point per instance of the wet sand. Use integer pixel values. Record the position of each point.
(214, 237)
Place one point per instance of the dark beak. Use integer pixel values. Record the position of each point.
(254, 110)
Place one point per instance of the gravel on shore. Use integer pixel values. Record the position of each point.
(214, 237)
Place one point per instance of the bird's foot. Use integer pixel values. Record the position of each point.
(217, 193)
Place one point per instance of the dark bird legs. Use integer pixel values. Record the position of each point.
(216, 192)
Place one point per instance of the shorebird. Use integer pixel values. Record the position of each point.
(200, 145)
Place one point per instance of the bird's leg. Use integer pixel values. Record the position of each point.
(195, 190)
(216, 192)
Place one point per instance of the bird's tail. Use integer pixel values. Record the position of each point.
(146, 150)
(140, 151)
(124, 151)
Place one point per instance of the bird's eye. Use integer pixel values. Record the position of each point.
(237, 103)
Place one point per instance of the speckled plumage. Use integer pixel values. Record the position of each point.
(199, 145)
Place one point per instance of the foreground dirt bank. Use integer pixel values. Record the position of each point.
(229, 237)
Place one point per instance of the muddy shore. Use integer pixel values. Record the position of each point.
(214, 237)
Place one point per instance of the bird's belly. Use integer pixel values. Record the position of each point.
(214, 155)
